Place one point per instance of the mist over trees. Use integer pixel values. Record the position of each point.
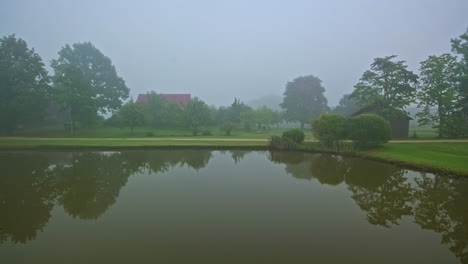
(388, 82)
(85, 87)
(304, 99)
(346, 106)
(85, 82)
(24, 85)
(439, 89)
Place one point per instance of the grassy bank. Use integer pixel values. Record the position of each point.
(148, 132)
(442, 157)
(103, 142)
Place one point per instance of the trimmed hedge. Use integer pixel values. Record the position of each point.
(368, 130)
(329, 129)
(296, 135)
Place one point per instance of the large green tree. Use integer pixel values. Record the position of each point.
(23, 84)
(197, 114)
(304, 99)
(438, 94)
(388, 82)
(86, 81)
(460, 47)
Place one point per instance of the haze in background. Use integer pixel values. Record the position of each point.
(219, 50)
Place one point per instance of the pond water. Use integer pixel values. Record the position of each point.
(201, 206)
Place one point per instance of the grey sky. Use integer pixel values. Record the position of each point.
(221, 49)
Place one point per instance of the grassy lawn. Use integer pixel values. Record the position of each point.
(422, 132)
(144, 132)
(445, 156)
(33, 143)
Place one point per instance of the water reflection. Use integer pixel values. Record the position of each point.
(86, 184)
(385, 193)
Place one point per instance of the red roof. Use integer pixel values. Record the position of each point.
(182, 99)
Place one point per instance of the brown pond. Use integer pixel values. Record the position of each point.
(201, 206)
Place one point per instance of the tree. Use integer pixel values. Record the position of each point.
(237, 110)
(73, 90)
(264, 117)
(387, 82)
(86, 81)
(346, 106)
(155, 109)
(23, 84)
(132, 114)
(439, 89)
(304, 99)
(460, 46)
(197, 114)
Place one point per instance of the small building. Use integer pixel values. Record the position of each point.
(181, 99)
(399, 120)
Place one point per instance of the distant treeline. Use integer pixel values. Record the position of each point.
(85, 86)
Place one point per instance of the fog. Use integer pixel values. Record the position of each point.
(219, 50)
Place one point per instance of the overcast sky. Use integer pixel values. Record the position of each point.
(219, 50)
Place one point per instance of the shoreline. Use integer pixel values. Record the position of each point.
(228, 145)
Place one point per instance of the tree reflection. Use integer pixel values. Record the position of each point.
(238, 155)
(27, 196)
(86, 184)
(441, 207)
(327, 169)
(386, 204)
(91, 183)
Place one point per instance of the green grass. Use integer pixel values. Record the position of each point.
(447, 156)
(422, 132)
(36, 143)
(141, 132)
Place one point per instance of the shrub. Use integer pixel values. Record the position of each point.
(149, 134)
(296, 135)
(206, 133)
(227, 128)
(368, 130)
(283, 143)
(330, 129)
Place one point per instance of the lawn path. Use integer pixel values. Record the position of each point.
(219, 139)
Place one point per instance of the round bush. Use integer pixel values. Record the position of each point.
(329, 129)
(296, 135)
(368, 130)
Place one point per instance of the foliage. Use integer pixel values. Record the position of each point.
(282, 143)
(304, 99)
(296, 135)
(236, 110)
(197, 114)
(330, 129)
(439, 89)
(132, 114)
(227, 127)
(460, 46)
(85, 82)
(23, 84)
(264, 117)
(207, 133)
(346, 106)
(368, 130)
(388, 82)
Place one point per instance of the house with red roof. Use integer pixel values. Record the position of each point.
(181, 99)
